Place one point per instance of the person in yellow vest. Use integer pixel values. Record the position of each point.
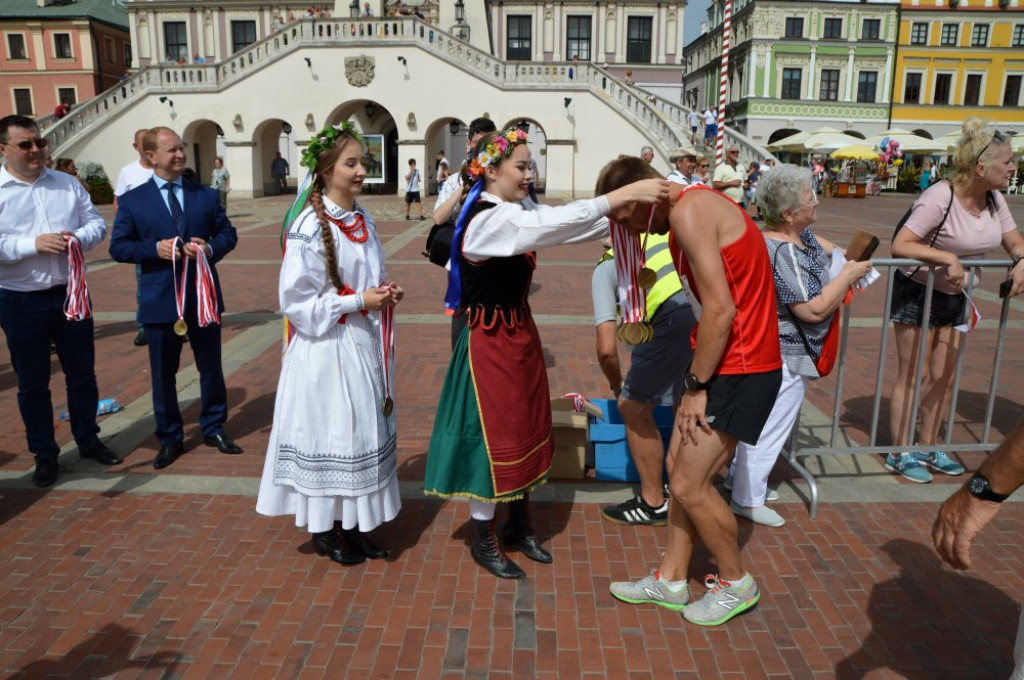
(655, 375)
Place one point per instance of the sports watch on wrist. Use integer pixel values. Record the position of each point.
(982, 490)
(693, 383)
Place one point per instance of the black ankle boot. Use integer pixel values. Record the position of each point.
(518, 532)
(488, 554)
(362, 544)
(331, 544)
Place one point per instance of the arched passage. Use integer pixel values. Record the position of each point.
(200, 138)
(269, 138)
(782, 133)
(446, 136)
(377, 125)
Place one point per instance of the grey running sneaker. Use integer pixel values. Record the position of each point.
(651, 589)
(722, 602)
(636, 511)
(940, 460)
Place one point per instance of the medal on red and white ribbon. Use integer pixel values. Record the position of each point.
(647, 277)
(180, 327)
(387, 341)
(206, 292)
(76, 305)
(632, 297)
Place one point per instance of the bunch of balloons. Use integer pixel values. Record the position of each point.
(891, 152)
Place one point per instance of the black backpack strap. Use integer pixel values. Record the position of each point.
(935, 233)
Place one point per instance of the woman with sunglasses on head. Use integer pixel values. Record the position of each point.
(492, 438)
(950, 221)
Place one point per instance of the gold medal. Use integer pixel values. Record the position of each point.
(389, 406)
(621, 332)
(180, 327)
(635, 334)
(646, 278)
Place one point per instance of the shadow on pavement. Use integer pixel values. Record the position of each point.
(86, 660)
(930, 622)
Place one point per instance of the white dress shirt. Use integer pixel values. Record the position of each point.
(55, 202)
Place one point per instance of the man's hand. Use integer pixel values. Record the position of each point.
(191, 248)
(690, 415)
(397, 293)
(165, 248)
(53, 243)
(960, 519)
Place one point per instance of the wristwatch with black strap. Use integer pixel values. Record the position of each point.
(694, 384)
(982, 490)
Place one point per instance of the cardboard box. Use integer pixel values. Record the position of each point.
(569, 430)
(612, 460)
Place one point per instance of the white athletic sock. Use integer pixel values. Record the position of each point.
(674, 586)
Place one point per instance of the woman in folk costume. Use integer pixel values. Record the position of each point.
(492, 435)
(331, 458)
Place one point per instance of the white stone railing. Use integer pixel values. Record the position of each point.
(663, 122)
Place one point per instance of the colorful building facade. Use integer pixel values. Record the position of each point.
(957, 60)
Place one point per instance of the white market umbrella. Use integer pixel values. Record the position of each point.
(824, 139)
(909, 142)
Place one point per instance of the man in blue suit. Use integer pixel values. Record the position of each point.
(150, 221)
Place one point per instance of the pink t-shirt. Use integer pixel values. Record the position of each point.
(964, 234)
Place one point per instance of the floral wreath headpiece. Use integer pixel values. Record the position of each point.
(326, 140)
(501, 147)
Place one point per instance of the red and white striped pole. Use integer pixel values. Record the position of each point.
(723, 85)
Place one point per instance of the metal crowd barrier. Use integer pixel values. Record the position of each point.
(794, 454)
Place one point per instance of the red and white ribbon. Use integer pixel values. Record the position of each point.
(628, 257)
(579, 402)
(387, 340)
(76, 305)
(179, 288)
(206, 292)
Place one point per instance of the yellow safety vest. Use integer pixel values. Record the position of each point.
(659, 259)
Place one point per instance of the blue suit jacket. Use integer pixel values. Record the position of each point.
(143, 219)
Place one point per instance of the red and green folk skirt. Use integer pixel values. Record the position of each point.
(492, 434)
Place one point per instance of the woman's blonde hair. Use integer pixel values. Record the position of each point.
(977, 144)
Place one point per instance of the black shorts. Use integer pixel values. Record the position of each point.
(907, 305)
(412, 197)
(739, 405)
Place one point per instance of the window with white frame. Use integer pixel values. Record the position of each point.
(518, 45)
(577, 38)
(175, 41)
(62, 46)
(1011, 93)
(867, 86)
(16, 46)
(833, 28)
(1018, 36)
(68, 95)
(243, 34)
(871, 29)
(949, 34)
(919, 33)
(829, 85)
(791, 83)
(22, 101)
(912, 89)
(979, 35)
(943, 88)
(972, 89)
(638, 39)
(794, 27)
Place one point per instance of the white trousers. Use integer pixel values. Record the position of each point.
(1018, 650)
(481, 510)
(752, 464)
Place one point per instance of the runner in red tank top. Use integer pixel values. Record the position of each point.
(730, 388)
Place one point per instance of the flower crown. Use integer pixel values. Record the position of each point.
(500, 148)
(325, 141)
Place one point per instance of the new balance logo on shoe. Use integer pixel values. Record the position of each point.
(653, 594)
(727, 599)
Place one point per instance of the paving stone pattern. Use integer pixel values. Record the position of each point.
(129, 572)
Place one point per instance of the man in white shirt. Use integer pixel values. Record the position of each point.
(710, 127)
(694, 119)
(729, 176)
(133, 175)
(685, 160)
(40, 209)
(444, 169)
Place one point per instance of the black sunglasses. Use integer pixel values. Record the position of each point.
(26, 145)
(997, 136)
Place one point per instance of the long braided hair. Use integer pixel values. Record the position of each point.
(324, 162)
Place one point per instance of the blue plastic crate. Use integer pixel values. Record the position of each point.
(612, 461)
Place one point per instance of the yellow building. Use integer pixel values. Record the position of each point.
(956, 60)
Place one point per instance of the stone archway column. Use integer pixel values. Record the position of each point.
(241, 161)
(415, 148)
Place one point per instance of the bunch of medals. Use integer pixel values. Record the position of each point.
(206, 300)
(387, 336)
(635, 278)
(76, 305)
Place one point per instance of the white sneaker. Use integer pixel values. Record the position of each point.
(760, 515)
(770, 496)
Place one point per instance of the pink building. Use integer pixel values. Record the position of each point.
(52, 53)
